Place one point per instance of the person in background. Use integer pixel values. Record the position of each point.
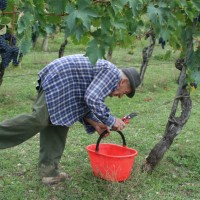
(8, 45)
(70, 89)
(8, 48)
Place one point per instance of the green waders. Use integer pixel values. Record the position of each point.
(52, 138)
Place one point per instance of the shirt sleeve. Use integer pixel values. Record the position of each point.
(89, 128)
(102, 85)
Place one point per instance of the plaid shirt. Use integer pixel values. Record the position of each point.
(75, 89)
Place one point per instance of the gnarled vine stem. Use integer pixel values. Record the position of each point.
(175, 123)
(147, 53)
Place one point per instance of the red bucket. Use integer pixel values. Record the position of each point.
(111, 162)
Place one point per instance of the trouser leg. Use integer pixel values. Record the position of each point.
(52, 138)
(19, 129)
(52, 144)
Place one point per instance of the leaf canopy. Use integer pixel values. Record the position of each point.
(105, 24)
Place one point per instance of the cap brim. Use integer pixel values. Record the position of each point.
(131, 81)
(131, 94)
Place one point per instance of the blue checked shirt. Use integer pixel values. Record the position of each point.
(75, 89)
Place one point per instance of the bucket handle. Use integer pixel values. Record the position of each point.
(103, 134)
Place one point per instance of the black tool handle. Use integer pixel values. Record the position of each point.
(103, 134)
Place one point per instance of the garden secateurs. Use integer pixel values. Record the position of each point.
(126, 118)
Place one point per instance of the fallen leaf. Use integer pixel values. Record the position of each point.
(148, 99)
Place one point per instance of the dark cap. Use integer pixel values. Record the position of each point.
(134, 79)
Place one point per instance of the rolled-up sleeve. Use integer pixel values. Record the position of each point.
(89, 128)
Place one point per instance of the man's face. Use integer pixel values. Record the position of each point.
(122, 88)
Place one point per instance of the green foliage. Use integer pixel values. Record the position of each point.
(158, 14)
(25, 22)
(80, 16)
(25, 45)
(10, 5)
(25, 32)
(57, 7)
(194, 67)
(50, 29)
(94, 51)
(135, 6)
(107, 24)
(54, 20)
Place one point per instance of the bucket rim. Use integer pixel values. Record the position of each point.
(103, 154)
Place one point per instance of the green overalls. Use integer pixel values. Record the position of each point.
(52, 138)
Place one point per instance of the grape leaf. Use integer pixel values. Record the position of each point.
(85, 15)
(71, 20)
(10, 5)
(135, 5)
(157, 14)
(54, 19)
(83, 4)
(119, 24)
(50, 28)
(79, 32)
(24, 22)
(57, 6)
(117, 6)
(25, 45)
(193, 66)
(193, 60)
(197, 4)
(195, 76)
(94, 51)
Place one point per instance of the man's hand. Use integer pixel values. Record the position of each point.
(99, 127)
(119, 125)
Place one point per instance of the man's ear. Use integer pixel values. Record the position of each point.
(120, 83)
(123, 81)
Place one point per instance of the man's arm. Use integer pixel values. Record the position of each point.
(92, 123)
(99, 127)
(103, 84)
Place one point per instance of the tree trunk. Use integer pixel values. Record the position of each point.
(146, 54)
(173, 127)
(34, 39)
(109, 55)
(1, 73)
(174, 124)
(45, 44)
(62, 49)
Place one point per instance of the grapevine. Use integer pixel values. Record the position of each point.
(162, 42)
(198, 18)
(113, 23)
(9, 53)
(3, 4)
(194, 85)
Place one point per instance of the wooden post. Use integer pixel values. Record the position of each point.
(13, 23)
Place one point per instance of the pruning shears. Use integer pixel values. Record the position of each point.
(126, 118)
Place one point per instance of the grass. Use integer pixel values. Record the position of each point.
(177, 176)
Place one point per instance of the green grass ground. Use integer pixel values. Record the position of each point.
(177, 177)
